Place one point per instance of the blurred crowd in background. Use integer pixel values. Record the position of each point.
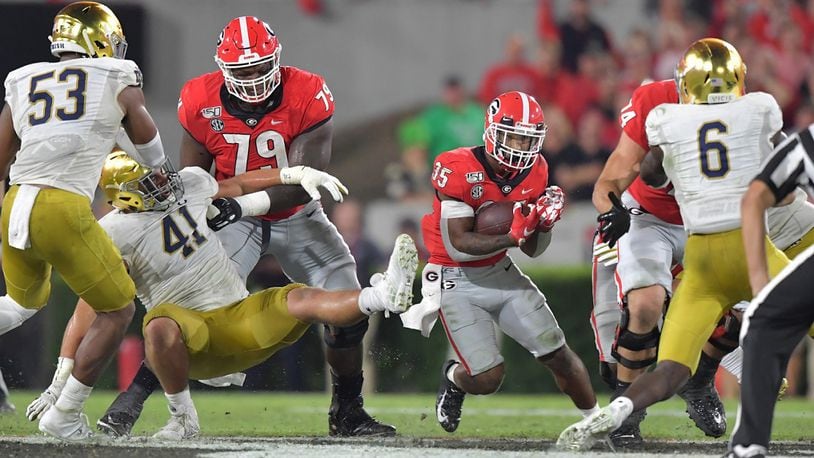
(583, 79)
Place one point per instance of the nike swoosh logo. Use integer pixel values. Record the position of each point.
(274, 122)
(527, 233)
(526, 191)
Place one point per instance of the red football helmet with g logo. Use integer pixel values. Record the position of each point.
(245, 42)
(514, 130)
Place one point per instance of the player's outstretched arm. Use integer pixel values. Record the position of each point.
(620, 170)
(9, 142)
(757, 199)
(312, 149)
(141, 128)
(306, 177)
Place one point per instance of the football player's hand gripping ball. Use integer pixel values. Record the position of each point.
(523, 225)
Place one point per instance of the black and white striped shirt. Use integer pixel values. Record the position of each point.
(791, 164)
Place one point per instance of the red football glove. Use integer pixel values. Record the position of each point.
(549, 207)
(523, 225)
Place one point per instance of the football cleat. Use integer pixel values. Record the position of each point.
(396, 285)
(584, 434)
(348, 418)
(120, 417)
(449, 401)
(750, 451)
(705, 408)
(630, 433)
(5, 405)
(70, 426)
(183, 424)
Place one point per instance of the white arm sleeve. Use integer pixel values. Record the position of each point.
(254, 204)
(451, 209)
(152, 152)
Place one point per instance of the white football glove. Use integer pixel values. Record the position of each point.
(41, 405)
(49, 397)
(311, 180)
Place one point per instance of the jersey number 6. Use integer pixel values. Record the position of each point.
(712, 166)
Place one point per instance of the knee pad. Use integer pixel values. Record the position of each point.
(345, 337)
(632, 341)
(726, 335)
(607, 374)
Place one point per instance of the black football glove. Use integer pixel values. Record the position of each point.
(228, 211)
(614, 223)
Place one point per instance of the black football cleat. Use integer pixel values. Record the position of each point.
(449, 401)
(120, 417)
(630, 433)
(705, 408)
(348, 418)
(703, 403)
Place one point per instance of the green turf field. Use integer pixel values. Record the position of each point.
(290, 414)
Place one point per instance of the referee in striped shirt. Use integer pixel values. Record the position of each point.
(783, 309)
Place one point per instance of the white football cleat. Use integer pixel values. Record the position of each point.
(183, 424)
(71, 426)
(396, 285)
(584, 434)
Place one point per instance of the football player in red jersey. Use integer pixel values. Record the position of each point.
(255, 113)
(470, 278)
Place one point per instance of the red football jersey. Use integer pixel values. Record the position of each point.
(659, 202)
(464, 174)
(241, 141)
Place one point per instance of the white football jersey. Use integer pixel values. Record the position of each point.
(172, 255)
(712, 153)
(66, 115)
(789, 223)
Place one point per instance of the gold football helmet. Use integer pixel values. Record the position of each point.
(88, 28)
(711, 71)
(130, 186)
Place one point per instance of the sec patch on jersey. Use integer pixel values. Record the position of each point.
(495, 218)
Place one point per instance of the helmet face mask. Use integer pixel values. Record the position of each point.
(514, 131)
(711, 71)
(131, 187)
(88, 28)
(248, 54)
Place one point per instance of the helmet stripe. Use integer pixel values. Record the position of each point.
(525, 99)
(244, 34)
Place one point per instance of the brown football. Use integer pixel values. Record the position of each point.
(495, 218)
